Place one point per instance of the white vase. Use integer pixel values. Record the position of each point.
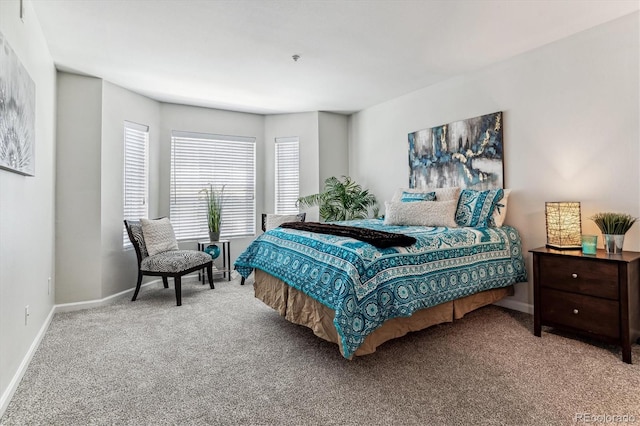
(613, 243)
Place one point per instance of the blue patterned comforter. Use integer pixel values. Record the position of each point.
(366, 286)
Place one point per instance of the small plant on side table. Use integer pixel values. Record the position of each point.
(215, 199)
(613, 227)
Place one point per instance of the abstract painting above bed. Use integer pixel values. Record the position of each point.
(466, 154)
(366, 286)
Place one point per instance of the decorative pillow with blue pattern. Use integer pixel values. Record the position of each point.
(475, 208)
(408, 197)
(442, 194)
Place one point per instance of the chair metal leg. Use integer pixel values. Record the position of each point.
(242, 281)
(138, 284)
(210, 274)
(178, 285)
(165, 282)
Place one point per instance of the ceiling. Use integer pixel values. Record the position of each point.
(237, 54)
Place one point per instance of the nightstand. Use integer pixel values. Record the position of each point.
(226, 256)
(593, 295)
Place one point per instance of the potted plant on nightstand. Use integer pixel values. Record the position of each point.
(215, 199)
(613, 227)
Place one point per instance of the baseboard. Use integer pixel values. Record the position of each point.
(76, 306)
(515, 305)
(5, 399)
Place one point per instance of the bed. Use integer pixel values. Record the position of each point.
(359, 296)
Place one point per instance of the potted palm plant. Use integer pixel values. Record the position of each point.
(215, 199)
(613, 227)
(342, 199)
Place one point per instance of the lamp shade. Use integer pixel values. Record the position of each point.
(564, 226)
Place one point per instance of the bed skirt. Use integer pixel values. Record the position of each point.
(301, 309)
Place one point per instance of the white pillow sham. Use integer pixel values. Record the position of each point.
(421, 213)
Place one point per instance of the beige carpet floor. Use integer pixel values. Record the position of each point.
(224, 358)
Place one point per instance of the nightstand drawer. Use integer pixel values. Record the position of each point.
(586, 313)
(580, 276)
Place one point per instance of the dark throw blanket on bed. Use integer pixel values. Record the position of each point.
(380, 239)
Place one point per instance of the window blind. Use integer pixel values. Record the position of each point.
(136, 176)
(198, 160)
(287, 175)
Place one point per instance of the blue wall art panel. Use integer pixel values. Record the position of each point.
(17, 113)
(466, 153)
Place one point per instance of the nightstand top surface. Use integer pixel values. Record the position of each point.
(625, 256)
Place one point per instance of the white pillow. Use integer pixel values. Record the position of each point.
(158, 235)
(442, 194)
(421, 213)
(275, 220)
(500, 212)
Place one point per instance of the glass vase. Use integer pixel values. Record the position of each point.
(613, 243)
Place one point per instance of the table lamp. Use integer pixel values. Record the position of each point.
(564, 226)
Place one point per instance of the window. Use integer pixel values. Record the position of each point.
(136, 175)
(198, 160)
(287, 175)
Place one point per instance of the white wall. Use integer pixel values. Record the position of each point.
(214, 121)
(90, 261)
(78, 217)
(119, 267)
(333, 130)
(305, 127)
(571, 129)
(27, 210)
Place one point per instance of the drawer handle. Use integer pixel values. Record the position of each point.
(575, 311)
(574, 275)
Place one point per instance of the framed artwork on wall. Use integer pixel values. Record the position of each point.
(17, 113)
(466, 153)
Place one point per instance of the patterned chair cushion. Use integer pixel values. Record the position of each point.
(136, 231)
(158, 235)
(174, 261)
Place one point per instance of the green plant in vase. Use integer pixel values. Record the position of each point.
(613, 227)
(215, 199)
(342, 199)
